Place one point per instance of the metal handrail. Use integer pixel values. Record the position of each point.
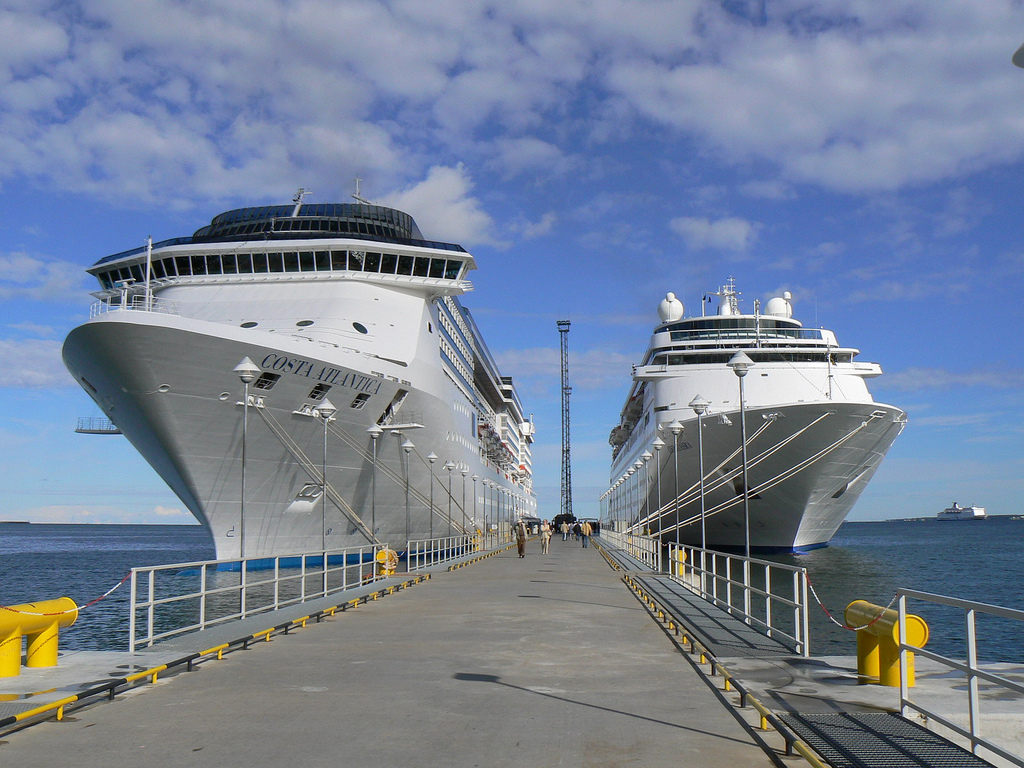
(646, 549)
(709, 574)
(135, 303)
(188, 611)
(423, 553)
(971, 669)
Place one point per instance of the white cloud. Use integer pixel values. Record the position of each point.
(594, 369)
(25, 276)
(444, 209)
(161, 101)
(33, 364)
(912, 379)
(726, 234)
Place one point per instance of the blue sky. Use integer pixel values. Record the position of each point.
(592, 154)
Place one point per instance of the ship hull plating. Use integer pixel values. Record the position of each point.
(807, 466)
(169, 385)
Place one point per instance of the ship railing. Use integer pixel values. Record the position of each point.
(771, 597)
(135, 303)
(424, 553)
(982, 682)
(646, 549)
(171, 600)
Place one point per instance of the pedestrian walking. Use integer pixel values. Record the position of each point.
(521, 534)
(585, 531)
(564, 528)
(545, 537)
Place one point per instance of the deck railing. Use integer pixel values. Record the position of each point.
(170, 600)
(423, 553)
(768, 596)
(997, 685)
(646, 549)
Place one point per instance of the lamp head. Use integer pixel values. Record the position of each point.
(646, 455)
(431, 457)
(246, 370)
(675, 427)
(699, 405)
(407, 445)
(658, 444)
(740, 364)
(375, 431)
(326, 409)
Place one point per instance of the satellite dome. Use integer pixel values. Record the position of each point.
(670, 309)
(780, 306)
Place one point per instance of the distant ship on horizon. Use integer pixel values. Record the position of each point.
(956, 512)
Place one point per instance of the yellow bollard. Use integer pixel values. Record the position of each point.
(878, 643)
(40, 623)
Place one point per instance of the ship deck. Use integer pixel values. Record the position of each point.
(547, 660)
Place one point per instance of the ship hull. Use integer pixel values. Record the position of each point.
(807, 465)
(168, 384)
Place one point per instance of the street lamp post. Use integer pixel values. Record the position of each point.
(741, 365)
(449, 465)
(431, 457)
(657, 445)
(700, 407)
(375, 432)
(325, 411)
(646, 501)
(676, 429)
(475, 478)
(407, 446)
(247, 371)
(464, 471)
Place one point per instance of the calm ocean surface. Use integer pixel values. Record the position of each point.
(974, 560)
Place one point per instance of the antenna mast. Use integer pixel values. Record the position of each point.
(566, 506)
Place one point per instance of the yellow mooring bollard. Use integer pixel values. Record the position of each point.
(41, 623)
(878, 643)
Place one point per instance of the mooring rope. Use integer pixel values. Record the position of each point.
(843, 624)
(108, 593)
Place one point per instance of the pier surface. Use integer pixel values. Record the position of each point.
(547, 660)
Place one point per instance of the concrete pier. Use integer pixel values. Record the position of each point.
(547, 660)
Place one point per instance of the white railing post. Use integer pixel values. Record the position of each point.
(131, 615)
(972, 681)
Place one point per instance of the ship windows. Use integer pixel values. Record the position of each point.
(360, 401)
(249, 324)
(266, 381)
(360, 327)
(319, 392)
(301, 261)
(304, 323)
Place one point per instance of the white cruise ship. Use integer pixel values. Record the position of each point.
(815, 436)
(956, 512)
(339, 309)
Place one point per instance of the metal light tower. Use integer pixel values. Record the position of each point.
(566, 505)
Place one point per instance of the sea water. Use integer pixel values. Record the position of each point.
(974, 560)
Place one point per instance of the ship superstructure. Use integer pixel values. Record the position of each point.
(339, 304)
(815, 436)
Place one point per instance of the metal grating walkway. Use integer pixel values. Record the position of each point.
(721, 633)
(873, 739)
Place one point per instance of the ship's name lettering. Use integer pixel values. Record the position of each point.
(325, 373)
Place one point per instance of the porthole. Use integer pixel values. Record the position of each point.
(304, 323)
(249, 324)
(360, 327)
(224, 396)
(164, 388)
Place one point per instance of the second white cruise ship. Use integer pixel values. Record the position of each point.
(814, 434)
(287, 351)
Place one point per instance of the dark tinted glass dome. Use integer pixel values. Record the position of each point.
(320, 218)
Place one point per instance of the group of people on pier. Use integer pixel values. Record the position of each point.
(580, 530)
